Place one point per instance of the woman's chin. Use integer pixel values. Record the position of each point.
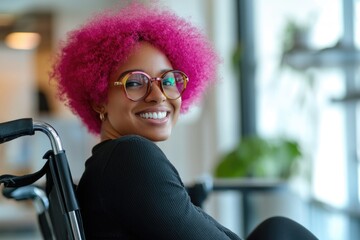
(159, 137)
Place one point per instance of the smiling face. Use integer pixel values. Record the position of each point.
(154, 116)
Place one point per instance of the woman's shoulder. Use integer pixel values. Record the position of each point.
(130, 150)
(134, 139)
(132, 158)
(123, 143)
(136, 145)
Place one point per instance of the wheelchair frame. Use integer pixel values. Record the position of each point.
(59, 218)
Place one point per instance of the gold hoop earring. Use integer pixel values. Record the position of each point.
(102, 116)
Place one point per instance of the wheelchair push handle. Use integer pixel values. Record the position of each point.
(16, 128)
(26, 126)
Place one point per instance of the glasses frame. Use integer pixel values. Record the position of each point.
(121, 81)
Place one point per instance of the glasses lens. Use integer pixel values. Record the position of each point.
(173, 84)
(136, 85)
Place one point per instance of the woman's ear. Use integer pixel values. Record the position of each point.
(99, 108)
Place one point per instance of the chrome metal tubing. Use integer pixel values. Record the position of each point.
(74, 225)
(51, 133)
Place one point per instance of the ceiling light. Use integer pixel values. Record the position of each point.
(23, 40)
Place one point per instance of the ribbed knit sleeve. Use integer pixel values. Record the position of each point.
(141, 195)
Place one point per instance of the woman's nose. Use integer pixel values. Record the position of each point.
(155, 94)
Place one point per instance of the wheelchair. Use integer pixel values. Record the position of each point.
(56, 204)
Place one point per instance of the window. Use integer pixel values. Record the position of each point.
(313, 95)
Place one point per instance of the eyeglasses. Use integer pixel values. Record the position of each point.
(137, 84)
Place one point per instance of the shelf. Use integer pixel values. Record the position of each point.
(248, 184)
(348, 211)
(324, 58)
(350, 97)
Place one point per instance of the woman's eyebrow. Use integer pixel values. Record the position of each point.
(141, 70)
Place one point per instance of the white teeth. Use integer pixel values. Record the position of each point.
(153, 115)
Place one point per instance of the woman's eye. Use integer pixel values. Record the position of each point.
(169, 81)
(137, 80)
(132, 83)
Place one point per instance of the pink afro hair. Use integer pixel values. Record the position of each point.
(92, 52)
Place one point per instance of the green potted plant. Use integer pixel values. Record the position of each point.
(257, 157)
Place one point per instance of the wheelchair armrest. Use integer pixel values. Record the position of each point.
(31, 192)
(199, 190)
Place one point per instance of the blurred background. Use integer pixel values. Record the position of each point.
(286, 99)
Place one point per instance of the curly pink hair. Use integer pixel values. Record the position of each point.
(92, 52)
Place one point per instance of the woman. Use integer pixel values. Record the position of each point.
(128, 75)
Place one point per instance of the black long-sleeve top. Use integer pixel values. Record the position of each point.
(130, 190)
